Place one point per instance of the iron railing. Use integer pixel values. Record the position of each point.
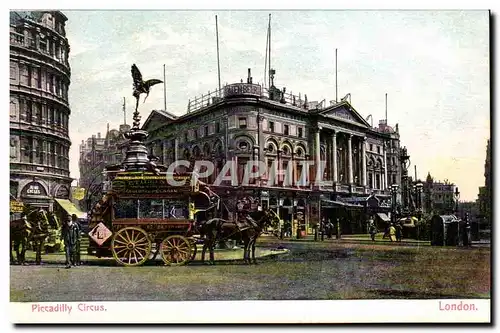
(212, 97)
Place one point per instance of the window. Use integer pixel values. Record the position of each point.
(370, 180)
(25, 76)
(186, 138)
(298, 175)
(29, 111)
(50, 117)
(271, 126)
(39, 151)
(13, 71)
(195, 134)
(27, 149)
(286, 151)
(126, 208)
(300, 132)
(43, 45)
(217, 127)
(242, 122)
(13, 147)
(243, 145)
(35, 77)
(286, 129)
(13, 110)
(371, 147)
(377, 180)
(394, 179)
(378, 149)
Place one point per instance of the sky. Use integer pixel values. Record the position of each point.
(434, 66)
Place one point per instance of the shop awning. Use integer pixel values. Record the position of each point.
(70, 208)
(325, 203)
(384, 217)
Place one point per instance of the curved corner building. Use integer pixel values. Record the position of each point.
(39, 109)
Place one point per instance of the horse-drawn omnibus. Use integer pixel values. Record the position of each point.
(143, 213)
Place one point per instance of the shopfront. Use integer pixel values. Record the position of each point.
(34, 194)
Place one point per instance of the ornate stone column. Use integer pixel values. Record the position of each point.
(349, 158)
(334, 158)
(363, 161)
(317, 153)
(384, 182)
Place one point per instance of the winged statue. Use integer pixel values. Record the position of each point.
(140, 86)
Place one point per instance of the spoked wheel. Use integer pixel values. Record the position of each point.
(131, 246)
(175, 250)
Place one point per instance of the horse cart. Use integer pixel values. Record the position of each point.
(142, 214)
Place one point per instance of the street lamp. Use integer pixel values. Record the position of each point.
(419, 189)
(457, 196)
(394, 191)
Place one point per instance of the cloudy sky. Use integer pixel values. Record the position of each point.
(434, 66)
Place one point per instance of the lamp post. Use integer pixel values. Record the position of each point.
(394, 191)
(457, 196)
(418, 189)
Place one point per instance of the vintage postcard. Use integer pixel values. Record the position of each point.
(322, 166)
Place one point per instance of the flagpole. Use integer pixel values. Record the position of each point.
(124, 113)
(218, 61)
(265, 61)
(386, 109)
(269, 29)
(164, 89)
(336, 83)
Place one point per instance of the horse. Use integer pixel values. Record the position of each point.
(32, 227)
(20, 231)
(217, 229)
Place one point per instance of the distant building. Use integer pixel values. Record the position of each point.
(245, 122)
(39, 108)
(438, 197)
(484, 196)
(95, 154)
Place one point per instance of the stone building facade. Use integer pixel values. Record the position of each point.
(484, 196)
(39, 108)
(438, 196)
(245, 122)
(95, 154)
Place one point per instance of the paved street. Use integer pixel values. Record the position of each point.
(310, 270)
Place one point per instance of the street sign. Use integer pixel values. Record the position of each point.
(16, 206)
(78, 193)
(100, 234)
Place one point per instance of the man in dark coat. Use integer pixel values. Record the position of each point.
(78, 261)
(70, 234)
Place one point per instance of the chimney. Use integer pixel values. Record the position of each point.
(98, 135)
(249, 79)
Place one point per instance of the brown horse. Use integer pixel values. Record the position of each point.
(32, 227)
(217, 229)
(20, 231)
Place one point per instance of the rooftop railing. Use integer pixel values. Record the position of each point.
(255, 90)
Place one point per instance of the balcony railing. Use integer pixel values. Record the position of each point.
(254, 90)
(205, 100)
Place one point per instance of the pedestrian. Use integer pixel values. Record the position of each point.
(399, 232)
(392, 233)
(70, 234)
(372, 229)
(77, 253)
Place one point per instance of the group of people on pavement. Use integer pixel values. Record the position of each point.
(71, 236)
(394, 231)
